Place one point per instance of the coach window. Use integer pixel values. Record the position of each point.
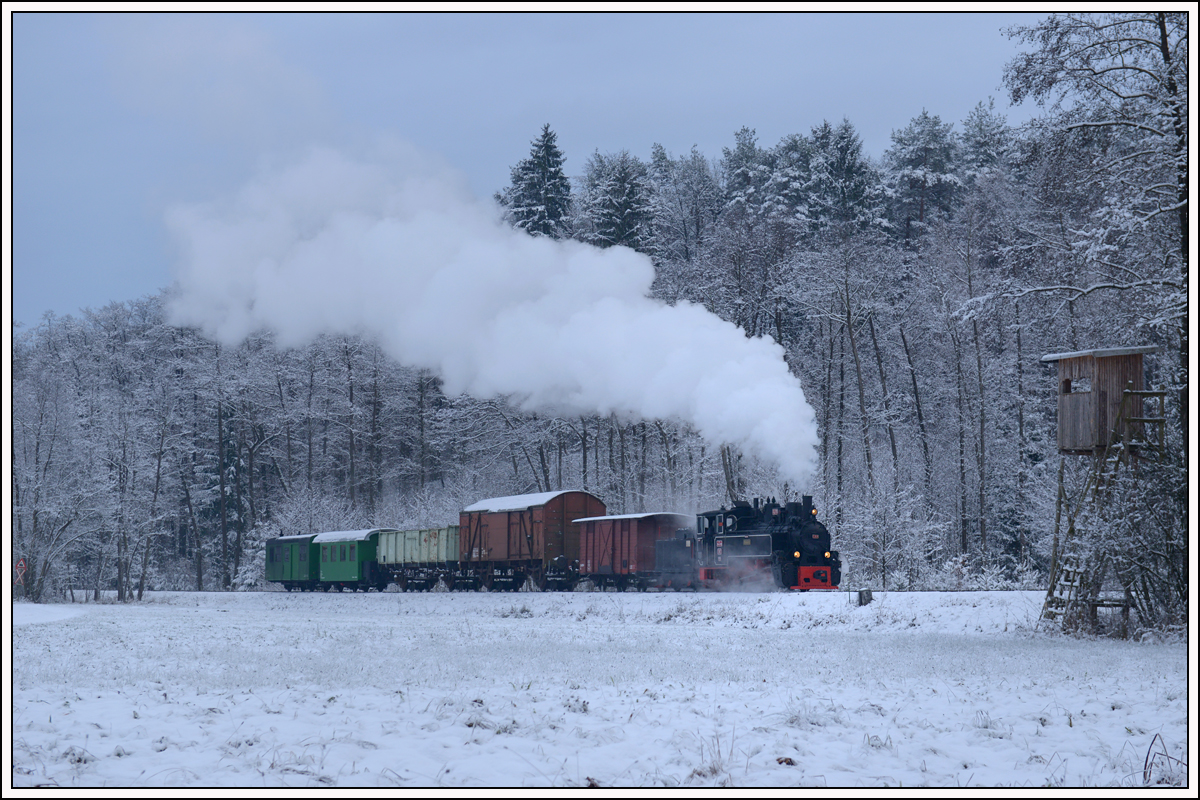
(324, 553)
(351, 552)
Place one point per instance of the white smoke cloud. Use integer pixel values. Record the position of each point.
(397, 249)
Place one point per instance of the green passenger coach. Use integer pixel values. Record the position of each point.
(292, 561)
(348, 560)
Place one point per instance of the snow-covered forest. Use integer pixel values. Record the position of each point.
(914, 292)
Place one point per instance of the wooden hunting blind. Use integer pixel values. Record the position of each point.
(1100, 394)
(1101, 413)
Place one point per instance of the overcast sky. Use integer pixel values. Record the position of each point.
(115, 118)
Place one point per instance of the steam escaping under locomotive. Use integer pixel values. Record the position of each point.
(556, 540)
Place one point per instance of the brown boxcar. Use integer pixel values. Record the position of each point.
(619, 550)
(505, 540)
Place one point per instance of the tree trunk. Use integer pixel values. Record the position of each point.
(1022, 445)
(826, 414)
(225, 581)
(584, 449)
(887, 411)
(841, 416)
(730, 479)
(1181, 179)
(912, 371)
(862, 394)
(964, 527)
(352, 482)
(199, 551)
(642, 467)
(982, 455)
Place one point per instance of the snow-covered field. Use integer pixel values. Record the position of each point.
(562, 690)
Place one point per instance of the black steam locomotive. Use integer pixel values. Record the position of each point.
(751, 544)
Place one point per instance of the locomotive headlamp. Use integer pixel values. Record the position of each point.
(796, 554)
(827, 554)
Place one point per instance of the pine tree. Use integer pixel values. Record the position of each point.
(923, 159)
(986, 141)
(686, 201)
(747, 170)
(540, 195)
(616, 203)
(843, 187)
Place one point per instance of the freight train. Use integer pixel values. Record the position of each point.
(556, 540)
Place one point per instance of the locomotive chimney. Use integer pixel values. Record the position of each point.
(807, 506)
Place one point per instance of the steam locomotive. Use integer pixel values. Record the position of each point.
(752, 544)
(556, 540)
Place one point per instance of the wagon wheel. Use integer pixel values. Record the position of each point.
(449, 581)
(485, 579)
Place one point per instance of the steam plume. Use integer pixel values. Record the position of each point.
(399, 250)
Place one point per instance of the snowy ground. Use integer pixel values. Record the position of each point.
(571, 690)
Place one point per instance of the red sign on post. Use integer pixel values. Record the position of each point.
(20, 570)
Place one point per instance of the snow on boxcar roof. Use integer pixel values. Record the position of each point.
(636, 516)
(347, 536)
(516, 502)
